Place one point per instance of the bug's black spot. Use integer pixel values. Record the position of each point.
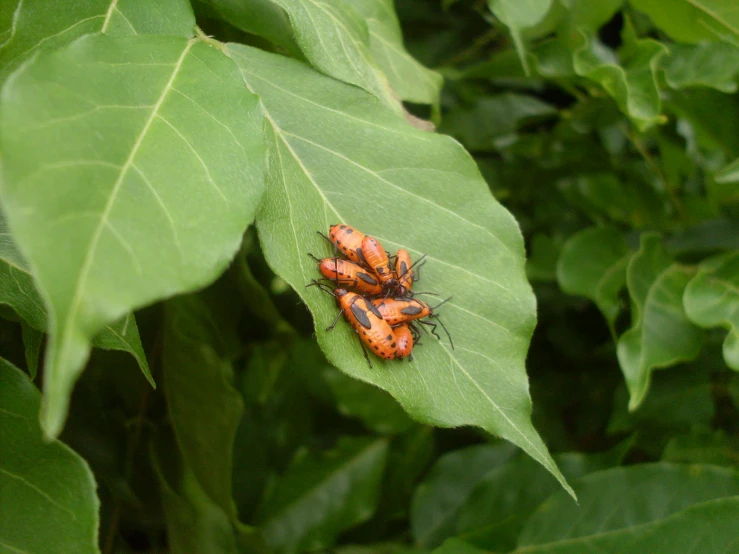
(360, 255)
(377, 347)
(393, 345)
(411, 310)
(338, 243)
(342, 226)
(361, 316)
(389, 337)
(369, 340)
(403, 267)
(374, 309)
(366, 277)
(364, 332)
(349, 231)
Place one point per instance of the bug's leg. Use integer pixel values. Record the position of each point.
(336, 248)
(445, 330)
(364, 351)
(336, 320)
(433, 328)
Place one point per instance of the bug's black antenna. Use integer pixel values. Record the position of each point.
(443, 302)
(314, 258)
(323, 286)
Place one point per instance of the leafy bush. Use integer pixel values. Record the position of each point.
(165, 168)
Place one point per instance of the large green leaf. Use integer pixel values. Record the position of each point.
(35, 27)
(204, 407)
(630, 80)
(131, 168)
(519, 15)
(702, 446)
(625, 498)
(321, 495)
(712, 299)
(710, 64)
(693, 21)
(447, 488)
(410, 80)
(47, 492)
(18, 291)
(338, 155)
(660, 333)
(593, 264)
(708, 528)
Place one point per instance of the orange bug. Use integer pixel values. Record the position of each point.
(403, 269)
(347, 239)
(376, 258)
(348, 274)
(404, 340)
(402, 310)
(374, 332)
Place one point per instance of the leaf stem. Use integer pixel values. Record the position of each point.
(202, 37)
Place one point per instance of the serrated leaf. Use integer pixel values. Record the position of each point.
(109, 229)
(204, 408)
(693, 21)
(448, 486)
(410, 80)
(335, 40)
(630, 80)
(34, 27)
(712, 299)
(708, 528)
(660, 333)
(624, 499)
(47, 491)
(18, 291)
(519, 15)
(320, 496)
(710, 64)
(336, 154)
(593, 264)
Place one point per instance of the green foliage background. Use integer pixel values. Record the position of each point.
(571, 168)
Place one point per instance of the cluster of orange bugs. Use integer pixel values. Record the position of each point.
(373, 292)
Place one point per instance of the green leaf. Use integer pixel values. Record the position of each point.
(588, 16)
(702, 446)
(660, 333)
(410, 80)
(693, 21)
(335, 39)
(625, 499)
(110, 229)
(712, 299)
(319, 135)
(457, 546)
(631, 81)
(377, 409)
(593, 264)
(503, 114)
(708, 527)
(519, 15)
(259, 17)
(729, 173)
(204, 407)
(448, 486)
(710, 64)
(34, 27)
(321, 495)
(492, 520)
(195, 522)
(18, 291)
(46, 490)
(32, 340)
